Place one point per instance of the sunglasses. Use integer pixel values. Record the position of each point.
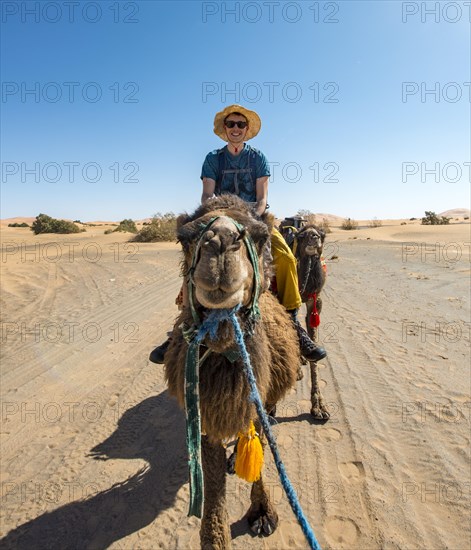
(231, 123)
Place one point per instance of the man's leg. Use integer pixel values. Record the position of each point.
(288, 293)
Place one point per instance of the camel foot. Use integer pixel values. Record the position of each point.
(318, 410)
(262, 522)
(320, 414)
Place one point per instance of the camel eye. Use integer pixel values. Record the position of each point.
(241, 235)
(237, 242)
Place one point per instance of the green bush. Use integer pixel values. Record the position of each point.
(348, 224)
(432, 219)
(46, 224)
(127, 226)
(161, 228)
(18, 224)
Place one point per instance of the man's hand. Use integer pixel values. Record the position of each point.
(209, 186)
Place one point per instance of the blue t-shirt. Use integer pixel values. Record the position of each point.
(236, 177)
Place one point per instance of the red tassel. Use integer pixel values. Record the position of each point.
(324, 265)
(314, 318)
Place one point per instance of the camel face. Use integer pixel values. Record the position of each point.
(223, 275)
(311, 241)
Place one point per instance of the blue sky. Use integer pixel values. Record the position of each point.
(343, 133)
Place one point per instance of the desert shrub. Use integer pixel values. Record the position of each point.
(163, 227)
(375, 223)
(108, 231)
(46, 224)
(403, 223)
(431, 218)
(325, 226)
(127, 226)
(24, 224)
(412, 219)
(348, 224)
(466, 218)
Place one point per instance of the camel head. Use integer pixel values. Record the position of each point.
(216, 252)
(310, 241)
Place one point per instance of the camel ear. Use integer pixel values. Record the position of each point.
(260, 234)
(322, 234)
(182, 219)
(187, 231)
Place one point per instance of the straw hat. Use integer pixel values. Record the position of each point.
(252, 118)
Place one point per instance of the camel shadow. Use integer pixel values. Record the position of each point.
(153, 430)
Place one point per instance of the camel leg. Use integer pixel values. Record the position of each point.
(310, 330)
(214, 532)
(262, 516)
(319, 310)
(313, 332)
(318, 407)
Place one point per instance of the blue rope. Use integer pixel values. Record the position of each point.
(255, 397)
(192, 408)
(209, 326)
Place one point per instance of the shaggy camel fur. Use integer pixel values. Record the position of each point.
(223, 278)
(311, 276)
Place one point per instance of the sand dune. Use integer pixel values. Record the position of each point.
(93, 448)
(456, 213)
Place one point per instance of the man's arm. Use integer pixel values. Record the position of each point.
(262, 193)
(209, 186)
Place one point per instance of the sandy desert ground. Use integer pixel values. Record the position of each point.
(92, 447)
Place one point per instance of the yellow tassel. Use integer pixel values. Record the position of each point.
(249, 458)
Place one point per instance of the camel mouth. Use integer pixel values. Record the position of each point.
(219, 299)
(312, 250)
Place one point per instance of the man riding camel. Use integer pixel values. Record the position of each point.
(242, 170)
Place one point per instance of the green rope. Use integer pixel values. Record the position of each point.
(193, 428)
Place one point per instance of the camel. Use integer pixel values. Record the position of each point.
(307, 244)
(223, 277)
